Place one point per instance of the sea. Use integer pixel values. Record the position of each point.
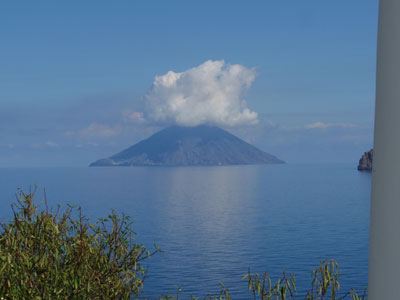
(216, 223)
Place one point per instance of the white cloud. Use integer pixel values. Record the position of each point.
(211, 93)
(100, 130)
(132, 116)
(87, 145)
(52, 144)
(322, 125)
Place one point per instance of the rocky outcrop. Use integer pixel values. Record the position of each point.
(189, 146)
(365, 163)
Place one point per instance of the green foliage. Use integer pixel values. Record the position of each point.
(46, 254)
(325, 285)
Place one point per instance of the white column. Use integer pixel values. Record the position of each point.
(384, 256)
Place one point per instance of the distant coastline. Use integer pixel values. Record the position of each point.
(365, 163)
(201, 145)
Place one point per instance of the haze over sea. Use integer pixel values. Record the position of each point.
(215, 222)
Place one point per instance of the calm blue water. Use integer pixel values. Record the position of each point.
(215, 222)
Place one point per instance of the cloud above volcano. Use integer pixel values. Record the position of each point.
(211, 93)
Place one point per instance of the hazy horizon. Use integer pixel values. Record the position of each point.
(82, 81)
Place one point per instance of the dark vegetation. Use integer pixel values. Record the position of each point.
(49, 254)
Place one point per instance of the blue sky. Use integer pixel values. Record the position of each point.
(70, 73)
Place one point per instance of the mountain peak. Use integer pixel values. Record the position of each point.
(201, 145)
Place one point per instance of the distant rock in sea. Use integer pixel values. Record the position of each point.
(365, 163)
(189, 146)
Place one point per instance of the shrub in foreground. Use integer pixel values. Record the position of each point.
(324, 285)
(45, 254)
